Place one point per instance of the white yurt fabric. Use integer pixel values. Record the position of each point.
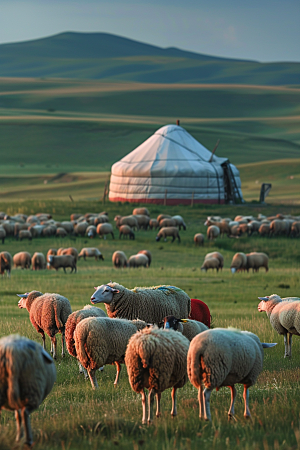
(170, 164)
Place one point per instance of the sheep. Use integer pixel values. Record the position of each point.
(127, 220)
(163, 216)
(234, 231)
(22, 259)
(224, 227)
(36, 230)
(199, 239)
(200, 312)
(217, 255)
(223, 357)
(48, 314)
(119, 259)
(105, 228)
(25, 234)
(8, 227)
(75, 216)
(156, 360)
(256, 260)
(243, 228)
(125, 230)
(168, 231)
(253, 227)
(212, 232)
(72, 322)
(149, 304)
(61, 232)
(239, 262)
(2, 234)
(68, 226)
(32, 219)
(70, 251)
(62, 261)
(27, 375)
(91, 231)
(284, 315)
(5, 263)
(148, 254)
(295, 229)
(101, 340)
(38, 261)
(139, 260)
(59, 251)
(179, 222)
(101, 218)
(189, 328)
(143, 221)
(278, 227)
(90, 252)
(153, 223)
(210, 263)
(49, 231)
(19, 226)
(141, 211)
(80, 228)
(264, 229)
(167, 223)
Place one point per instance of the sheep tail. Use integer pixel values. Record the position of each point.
(59, 324)
(13, 390)
(146, 351)
(195, 368)
(81, 348)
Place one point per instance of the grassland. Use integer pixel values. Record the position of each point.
(75, 417)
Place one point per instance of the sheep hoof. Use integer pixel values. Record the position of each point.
(150, 422)
(158, 414)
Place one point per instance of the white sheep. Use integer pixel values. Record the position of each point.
(239, 262)
(223, 357)
(139, 260)
(199, 239)
(22, 259)
(156, 360)
(217, 255)
(150, 304)
(189, 328)
(284, 315)
(166, 232)
(48, 313)
(179, 222)
(212, 232)
(38, 261)
(105, 228)
(27, 375)
(119, 259)
(210, 263)
(90, 252)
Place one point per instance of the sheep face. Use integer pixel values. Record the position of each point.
(103, 294)
(22, 301)
(262, 306)
(171, 322)
(50, 259)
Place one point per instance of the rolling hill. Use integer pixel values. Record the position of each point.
(104, 56)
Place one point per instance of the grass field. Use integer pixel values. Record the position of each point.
(75, 417)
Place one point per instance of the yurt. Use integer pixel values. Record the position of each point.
(171, 167)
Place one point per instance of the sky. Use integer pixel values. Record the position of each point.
(261, 30)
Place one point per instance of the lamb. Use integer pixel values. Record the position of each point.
(139, 260)
(141, 211)
(179, 222)
(62, 261)
(25, 234)
(125, 230)
(200, 312)
(256, 260)
(5, 263)
(38, 261)
(166, 232)
(101, 340)
(48, 314)
(264, 229)
(2, 234)
(22, 259)
(223, 357)
(199, 239)
(27, 375)
(239, 263)
(119, 259)
(90, 252)
(284, 315)
(210, 263)
(212, 232)
(217, 255)
(148, 304)
(189, 328)
(156, 360)
(167, 223)
(148, 254)
(105, 228)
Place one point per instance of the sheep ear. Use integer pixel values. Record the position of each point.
(47, 357)
(265, 299)
(23, 295)
(115, 291)
(266, 345)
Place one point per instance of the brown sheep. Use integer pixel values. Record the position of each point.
(126, 231)
(142, 211)
(22, 259)
(212, 232)
(168, 231)
(223, 226)
(163, 216)
(167, 223)
(105, 228)
(5, 263)
(119, 259)
(239, 263)
(38, 261)
(264, 229)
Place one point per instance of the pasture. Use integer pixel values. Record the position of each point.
(75, 417)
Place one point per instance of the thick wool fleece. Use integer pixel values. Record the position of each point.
(223, 357)
(149, 304)
(284, 314)
(192, 328)
(156, 359)
(101, 341)
(73, 321)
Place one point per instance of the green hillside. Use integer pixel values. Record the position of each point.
(109, 57)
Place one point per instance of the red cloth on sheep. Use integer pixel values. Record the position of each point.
(200, 312)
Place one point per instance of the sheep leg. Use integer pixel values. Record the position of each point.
(233, 395)
(174, 405)
(54, 346)
(118, 366)
(200, 399)
(286, 346)
(150, 405)
(63, 344)
(144, 420)
(44, 339)
(82, 370)
(290, 344)
(93, 379)
(27, 426)
(18, 422)
(206, 394)
(158, 397)
(246, 400)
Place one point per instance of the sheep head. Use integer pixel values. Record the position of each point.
(103, 294)
(22, 303)
(171, 322)
(267, 301)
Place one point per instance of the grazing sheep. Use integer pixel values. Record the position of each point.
(179, 222)
(156, 360)
(143, 221)
(49, 231)
(264, 229)
(141, 211)
(62, 261)
(119, 259)
(167, 223)
(189, 328)
(212, 232)
(200, 312)
(36, 230)
(20, 226)
(163, 216)
(295, 229)
(210, 263)
(235, 232)
(38, 261)
(199, 239)
(27, 375)
(51, 251)
(2, 234)
(278, 227)
(253, 227)
(125, 230)
(22, 259)
(8, 227)
(80, 228)
(223, 357)
(256, 260)
(166, 232)
(105, 228)
(284, 315)
(217, 255)
(90, 252)
(101, 340)
(68, 226)
(61, 232)
(148, 254)
(149, 304)
(5, 263)
(91, 231)
(25, 234)
(131, 221)
(70, 251)
(153, 223)
(139, 260)
(224, 227)
(101, 218)
(48, 314)
(243, 228)
(239, 263)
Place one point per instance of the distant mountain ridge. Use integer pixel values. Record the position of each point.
(110, 57)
